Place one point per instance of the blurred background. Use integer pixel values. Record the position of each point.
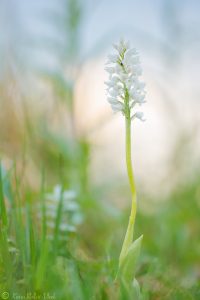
(54, 115)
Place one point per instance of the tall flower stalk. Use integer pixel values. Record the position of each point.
(125, 93)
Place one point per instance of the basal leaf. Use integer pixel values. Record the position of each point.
(128, 266)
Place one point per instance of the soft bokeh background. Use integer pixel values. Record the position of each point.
(54, 114)
(37, 42)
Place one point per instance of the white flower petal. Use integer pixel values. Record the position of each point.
(113, 92)
(109, 83)
(112, 58)
(138, 115)
(112, 100)
(110, 70)
(117, 107)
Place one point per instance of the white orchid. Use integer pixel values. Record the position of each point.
(124, 88)
(70, 214)
(125, 93)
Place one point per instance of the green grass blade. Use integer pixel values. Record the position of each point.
(3, 214)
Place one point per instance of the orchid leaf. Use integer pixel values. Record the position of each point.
(129, 263)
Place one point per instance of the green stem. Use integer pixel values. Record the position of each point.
(129, 233)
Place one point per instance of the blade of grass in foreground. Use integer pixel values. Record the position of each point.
(5, 259)
(57, 224)
(42, 264)
(30, 237)
(3, 215)
(43, 207)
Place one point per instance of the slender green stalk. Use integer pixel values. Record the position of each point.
(129, 233)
